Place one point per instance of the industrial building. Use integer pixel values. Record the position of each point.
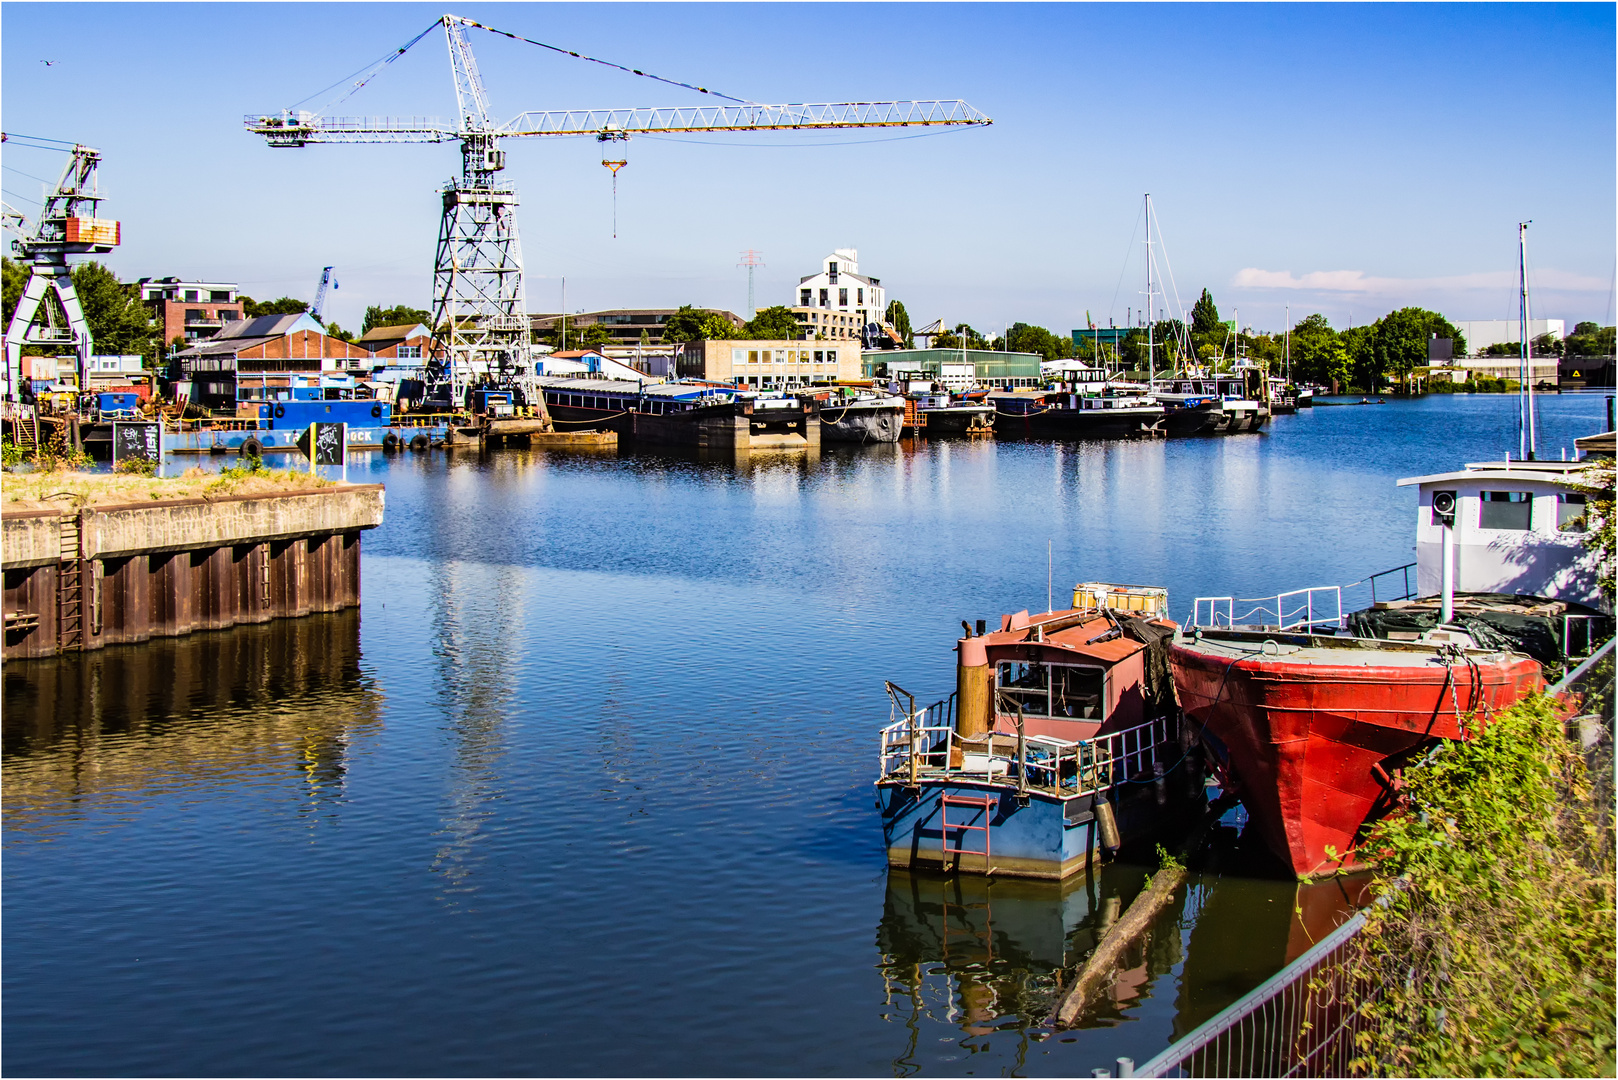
(1481, 333)
(767, 364)
(956, 368)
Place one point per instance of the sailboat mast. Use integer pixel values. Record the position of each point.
(1525, 389)
(1151, 369)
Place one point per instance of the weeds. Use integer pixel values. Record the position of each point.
(1493, 944)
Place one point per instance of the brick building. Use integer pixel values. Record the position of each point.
(190, 310)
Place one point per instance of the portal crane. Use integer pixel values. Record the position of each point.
(67, 225)
(480, 314)
(319, 306)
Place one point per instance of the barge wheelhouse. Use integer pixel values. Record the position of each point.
(1053, 748)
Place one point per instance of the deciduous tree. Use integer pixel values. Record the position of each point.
(689, 324)
(119, 323)
(773, 324)
(398, 315)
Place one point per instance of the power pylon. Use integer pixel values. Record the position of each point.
(752, 260)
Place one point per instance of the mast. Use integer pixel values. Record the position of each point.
(1150, 367)
(1525, 387)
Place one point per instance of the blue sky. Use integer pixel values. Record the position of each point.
(1343, 158)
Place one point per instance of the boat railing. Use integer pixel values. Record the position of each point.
(1317, 608)
(924, 743)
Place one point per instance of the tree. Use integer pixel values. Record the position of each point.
(1359, 343)
(1402, 337)
(1318, 353)
(899, 319)
(398, 315)
(286, 305)
(1021, 337)
(689, 324)
(15, 275)
(119, 323)
(596, 335)
(1590, 339)
(335, 331)
(773, 324)
(1205, 316)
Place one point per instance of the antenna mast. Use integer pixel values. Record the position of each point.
(1150, 367)
(1525, 389)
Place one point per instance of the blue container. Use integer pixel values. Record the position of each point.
(118, 403)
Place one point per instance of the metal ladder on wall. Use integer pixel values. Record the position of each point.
(984, 806)
(70, 588)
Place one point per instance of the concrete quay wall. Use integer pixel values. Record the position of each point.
(109, 575)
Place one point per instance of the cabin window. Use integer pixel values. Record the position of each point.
(1506, 510)
(1056, 690)
(1570, 512)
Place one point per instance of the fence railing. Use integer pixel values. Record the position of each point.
(1320, 607)
(923, 743)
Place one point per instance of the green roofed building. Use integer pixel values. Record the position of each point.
(956, 367)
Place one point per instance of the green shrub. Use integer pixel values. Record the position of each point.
(1494, 939)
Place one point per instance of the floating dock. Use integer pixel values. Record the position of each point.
(87, 577)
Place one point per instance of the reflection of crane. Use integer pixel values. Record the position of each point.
(67, 225)
(480, 311)
(319, 306)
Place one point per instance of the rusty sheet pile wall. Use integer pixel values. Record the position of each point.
(109, 575)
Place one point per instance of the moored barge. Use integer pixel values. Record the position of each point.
(1053, 748)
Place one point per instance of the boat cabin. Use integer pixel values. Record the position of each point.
(1518, 528)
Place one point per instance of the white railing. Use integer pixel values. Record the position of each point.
(923, 745)
(1310, 609)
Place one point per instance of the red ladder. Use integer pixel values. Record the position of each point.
(984, 805)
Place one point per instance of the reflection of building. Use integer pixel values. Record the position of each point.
(768, 364)
(190, 310)
(282, 698)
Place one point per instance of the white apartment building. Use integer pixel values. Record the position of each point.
(841, 289)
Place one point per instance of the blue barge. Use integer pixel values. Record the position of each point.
(1055, 748)
(372, 425)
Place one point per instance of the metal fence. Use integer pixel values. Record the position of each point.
(1303, 1020)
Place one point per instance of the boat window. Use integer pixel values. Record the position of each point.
(1506, 510)
(1570, 512)
(1052, 690)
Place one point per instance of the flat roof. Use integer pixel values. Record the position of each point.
(1551, 472)
(624, 386)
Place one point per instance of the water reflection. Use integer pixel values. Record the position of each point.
(119, 725)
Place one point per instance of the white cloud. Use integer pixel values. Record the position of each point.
(1358, 282)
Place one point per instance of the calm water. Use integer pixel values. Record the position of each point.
(586, 786)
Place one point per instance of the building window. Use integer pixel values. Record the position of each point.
(842, 297)
(803, 297)
(859, 296)
(1506, 510)
(752, 356)
(831, 356)
(220, 296)
(409, 352)
(1570, 515)
(831, 270)
(825, 298)
(195, 315)
(190, 296)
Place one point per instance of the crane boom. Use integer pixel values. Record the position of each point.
(300, 129)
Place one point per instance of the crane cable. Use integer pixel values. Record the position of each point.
(373, 69)
(604, 63)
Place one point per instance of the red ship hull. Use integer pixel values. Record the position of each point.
(1311, 738)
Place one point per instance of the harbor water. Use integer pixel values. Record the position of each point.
(585, 787)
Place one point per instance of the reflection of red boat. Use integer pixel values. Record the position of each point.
(1311, 729)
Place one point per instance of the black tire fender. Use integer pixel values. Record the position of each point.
(280, 411)
(251, 448)
(376, 412)
(419, 443)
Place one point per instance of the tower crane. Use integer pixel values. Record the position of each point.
(319, 306)
(480, 315)
(67, 225)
